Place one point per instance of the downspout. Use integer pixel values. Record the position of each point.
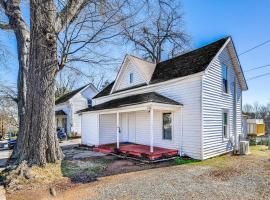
(182, 133)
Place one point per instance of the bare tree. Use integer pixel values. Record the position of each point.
(161, 33)
(40, 61)
(66, 81)
(8, 109)
(256, 109)
(263, 111)
(248, 108)
(15, 22)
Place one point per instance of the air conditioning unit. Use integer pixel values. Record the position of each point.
(244, 147)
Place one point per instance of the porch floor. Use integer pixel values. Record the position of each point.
(138, 150)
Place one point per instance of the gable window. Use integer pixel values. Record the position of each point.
(225, 78)
(131, 78)
(225, 125)
(167, 126)
(89, 102)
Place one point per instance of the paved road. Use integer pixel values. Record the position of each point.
(4, 154)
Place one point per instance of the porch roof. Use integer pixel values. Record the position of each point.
(151, 97)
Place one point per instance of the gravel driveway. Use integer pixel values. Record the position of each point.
(225, 177)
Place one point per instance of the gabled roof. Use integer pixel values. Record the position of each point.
(60, 112)
(133, 100)
(106, 91)
(186, 64)
(71, 94)
(144, 68)
(147, 68)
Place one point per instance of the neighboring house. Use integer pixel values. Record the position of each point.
(255, 127)
(267, 124)
(191, 103)
(67, 105)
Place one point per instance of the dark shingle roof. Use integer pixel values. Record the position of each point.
(68, 96)
(133, 100)
(106, 91)
(186, 64)
(60, 112)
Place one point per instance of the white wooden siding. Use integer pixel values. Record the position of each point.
(78, 102)
(107, 128)
(90, 129)
(187, 92)
(214, 101)
(123, 81)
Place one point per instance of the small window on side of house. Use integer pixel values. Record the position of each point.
(225, 79)
(225, 126)
(131, 78)
(89, 102)
(167, 126)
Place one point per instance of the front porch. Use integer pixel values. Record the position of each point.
(137, 150)
(145, 125)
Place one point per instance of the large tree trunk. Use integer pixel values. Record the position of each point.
(39, 143)
(19, 26)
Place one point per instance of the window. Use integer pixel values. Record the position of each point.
(225, 125)
(225, 78)
(89, 101)
(167, 126)
(131, 78)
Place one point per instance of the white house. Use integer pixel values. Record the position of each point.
(67, 105)
(191, 103)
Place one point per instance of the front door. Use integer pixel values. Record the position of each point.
(132, 127)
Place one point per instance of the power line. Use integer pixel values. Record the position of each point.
(255, 47)
(259, 67)
(248, 50)
(259, 76)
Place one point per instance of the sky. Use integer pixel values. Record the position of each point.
(247, 21)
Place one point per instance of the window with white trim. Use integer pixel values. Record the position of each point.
(225, 79)
(225, 124)
(167, 126)
(131, 78)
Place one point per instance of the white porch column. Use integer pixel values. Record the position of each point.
(118, 129)
(151, 130)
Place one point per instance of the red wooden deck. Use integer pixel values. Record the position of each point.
(138, 150)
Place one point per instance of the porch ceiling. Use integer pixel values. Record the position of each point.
(139, 99)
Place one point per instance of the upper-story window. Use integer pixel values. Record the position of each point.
(225, 78)
(89, 102)
(131, 78)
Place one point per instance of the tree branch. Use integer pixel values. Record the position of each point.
(5, 26)
(69, 13)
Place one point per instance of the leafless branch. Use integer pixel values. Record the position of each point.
(5, 26)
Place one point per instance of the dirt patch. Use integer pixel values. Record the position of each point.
(224, 174)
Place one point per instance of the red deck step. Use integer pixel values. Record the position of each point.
(138, 150)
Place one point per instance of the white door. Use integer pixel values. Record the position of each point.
(124, 127)
(132, 127)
